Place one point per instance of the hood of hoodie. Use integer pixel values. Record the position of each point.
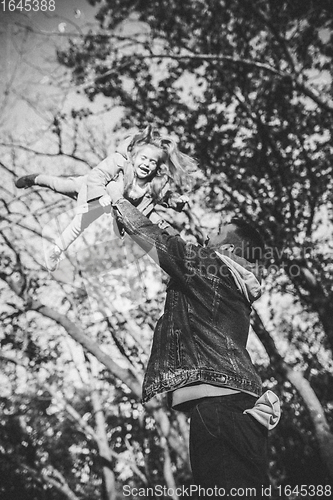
(246, 275)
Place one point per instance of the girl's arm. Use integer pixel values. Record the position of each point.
(175, 201)
(168, 193)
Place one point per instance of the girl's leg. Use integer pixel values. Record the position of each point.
(69, 186)
(79, 223)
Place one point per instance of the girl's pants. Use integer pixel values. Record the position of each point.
(70, 186)
(75, 187)
(87, 212)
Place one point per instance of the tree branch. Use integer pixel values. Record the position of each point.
(327, 105)
(41, 153)
(44, 475)
(125, 375)
(105, 452)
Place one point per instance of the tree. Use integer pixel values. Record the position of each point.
(246, 86)
(79, 429)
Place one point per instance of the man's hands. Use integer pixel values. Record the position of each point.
(115, 191)
(105, 200)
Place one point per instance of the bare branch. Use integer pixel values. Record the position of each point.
(282, 42)
(125, 375)
(45, 475)
(43, 153)
(72, 412)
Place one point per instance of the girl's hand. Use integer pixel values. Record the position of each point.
(183, 200)
(177, 202)
(105, 200)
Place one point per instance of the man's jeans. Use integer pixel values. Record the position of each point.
(227, 448)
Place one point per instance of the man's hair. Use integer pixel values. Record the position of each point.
(253, 245)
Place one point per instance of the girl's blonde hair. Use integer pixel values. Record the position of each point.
(174, 169)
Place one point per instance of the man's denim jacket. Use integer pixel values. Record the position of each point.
(202, 335)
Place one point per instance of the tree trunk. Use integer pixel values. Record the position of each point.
(164, 430)
(103, 445)
(303, 387)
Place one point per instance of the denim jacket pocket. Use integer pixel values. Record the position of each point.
(175, 355)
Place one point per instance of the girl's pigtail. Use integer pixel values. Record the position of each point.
(180, 165)
(142, 138)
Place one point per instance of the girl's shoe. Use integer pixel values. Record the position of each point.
(26, 181)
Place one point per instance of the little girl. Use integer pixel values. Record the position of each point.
(151, 165)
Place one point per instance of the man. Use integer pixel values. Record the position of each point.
(199, 354)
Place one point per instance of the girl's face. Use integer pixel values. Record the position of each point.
(146, 162)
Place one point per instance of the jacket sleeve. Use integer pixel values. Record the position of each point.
(101, 175)
(168, 250)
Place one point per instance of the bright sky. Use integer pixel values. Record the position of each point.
(28, 42)
(69, 16)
